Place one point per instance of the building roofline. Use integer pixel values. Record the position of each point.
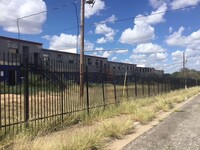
(121, 63)
(51, 50)
(19, 40)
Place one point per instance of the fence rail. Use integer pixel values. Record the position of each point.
(35, 91)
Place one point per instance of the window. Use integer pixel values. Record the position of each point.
(1, 73)
(113, 66)
(13, 51)
(118, 67)
(59, 57)
(45, 57)
(71, 59)
(127, 68)
(89, 61)
(97, 62)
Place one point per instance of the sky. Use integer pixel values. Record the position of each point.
(149, 33)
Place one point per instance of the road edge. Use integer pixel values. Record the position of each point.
(119, 144)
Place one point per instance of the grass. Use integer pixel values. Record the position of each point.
(94, 131)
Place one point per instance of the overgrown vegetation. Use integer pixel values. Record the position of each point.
(94, 131)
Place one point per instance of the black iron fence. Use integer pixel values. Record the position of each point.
(35, 91)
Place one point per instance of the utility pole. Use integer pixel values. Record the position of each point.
(184, 73)
(82, 50)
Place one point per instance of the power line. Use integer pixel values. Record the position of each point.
(105, 50)
(113, 21)
(42, 12)
(130, 18)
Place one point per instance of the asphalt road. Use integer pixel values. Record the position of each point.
(180, 131)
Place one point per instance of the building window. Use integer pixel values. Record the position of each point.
(89, 61)
(113, 66)
(97, 62)
(2, 73)
(71, 59)
(127, 68)
(45, 57)
(59, 57)
(13, 51)
(118, 67)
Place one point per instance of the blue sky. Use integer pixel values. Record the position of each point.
(151, 33)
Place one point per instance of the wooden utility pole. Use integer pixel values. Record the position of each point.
(82, 50)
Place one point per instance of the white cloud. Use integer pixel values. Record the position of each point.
(12, 9)
(139, 59)
(122, 51)
(99, 48)
(139, 34)
(111, 19)
(66, 42)
(156, 3)
(97, 7)
(108, 32)
(176, 4)
(154, 18)
(191, 41)
(148, 48)
(89, 45)
(177, 55)
(192, 58)
(63, 42)
(161, 57)
(143, 31)
(101, 40)
(114, 58)
(107, 54)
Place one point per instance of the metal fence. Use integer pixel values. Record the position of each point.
(35, 91)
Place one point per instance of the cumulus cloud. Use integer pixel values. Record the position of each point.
(154, 18)
(149, 54)
(107, 54)
(63, 42)
(114, 58)
(177, 55)
(101, 40)
(139, 34)
(111, 19)
(158, 57)
(122, 51)
(66, 42)
(148, 48)
(95, 10)
(191, 41)
(12, 9)
(108, 33)
(143, 31)
(156, 3)
(176, 4)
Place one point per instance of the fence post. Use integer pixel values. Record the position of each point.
(115, 95)
(102, 83)
(26, 86)
(142, 87)
(127, 87)
(87, 91)
(62, 90)
(148, 85)
(135, 85)
(158, 86)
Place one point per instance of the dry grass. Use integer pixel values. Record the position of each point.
(114, 122)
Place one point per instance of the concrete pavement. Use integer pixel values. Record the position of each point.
(180, 131)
